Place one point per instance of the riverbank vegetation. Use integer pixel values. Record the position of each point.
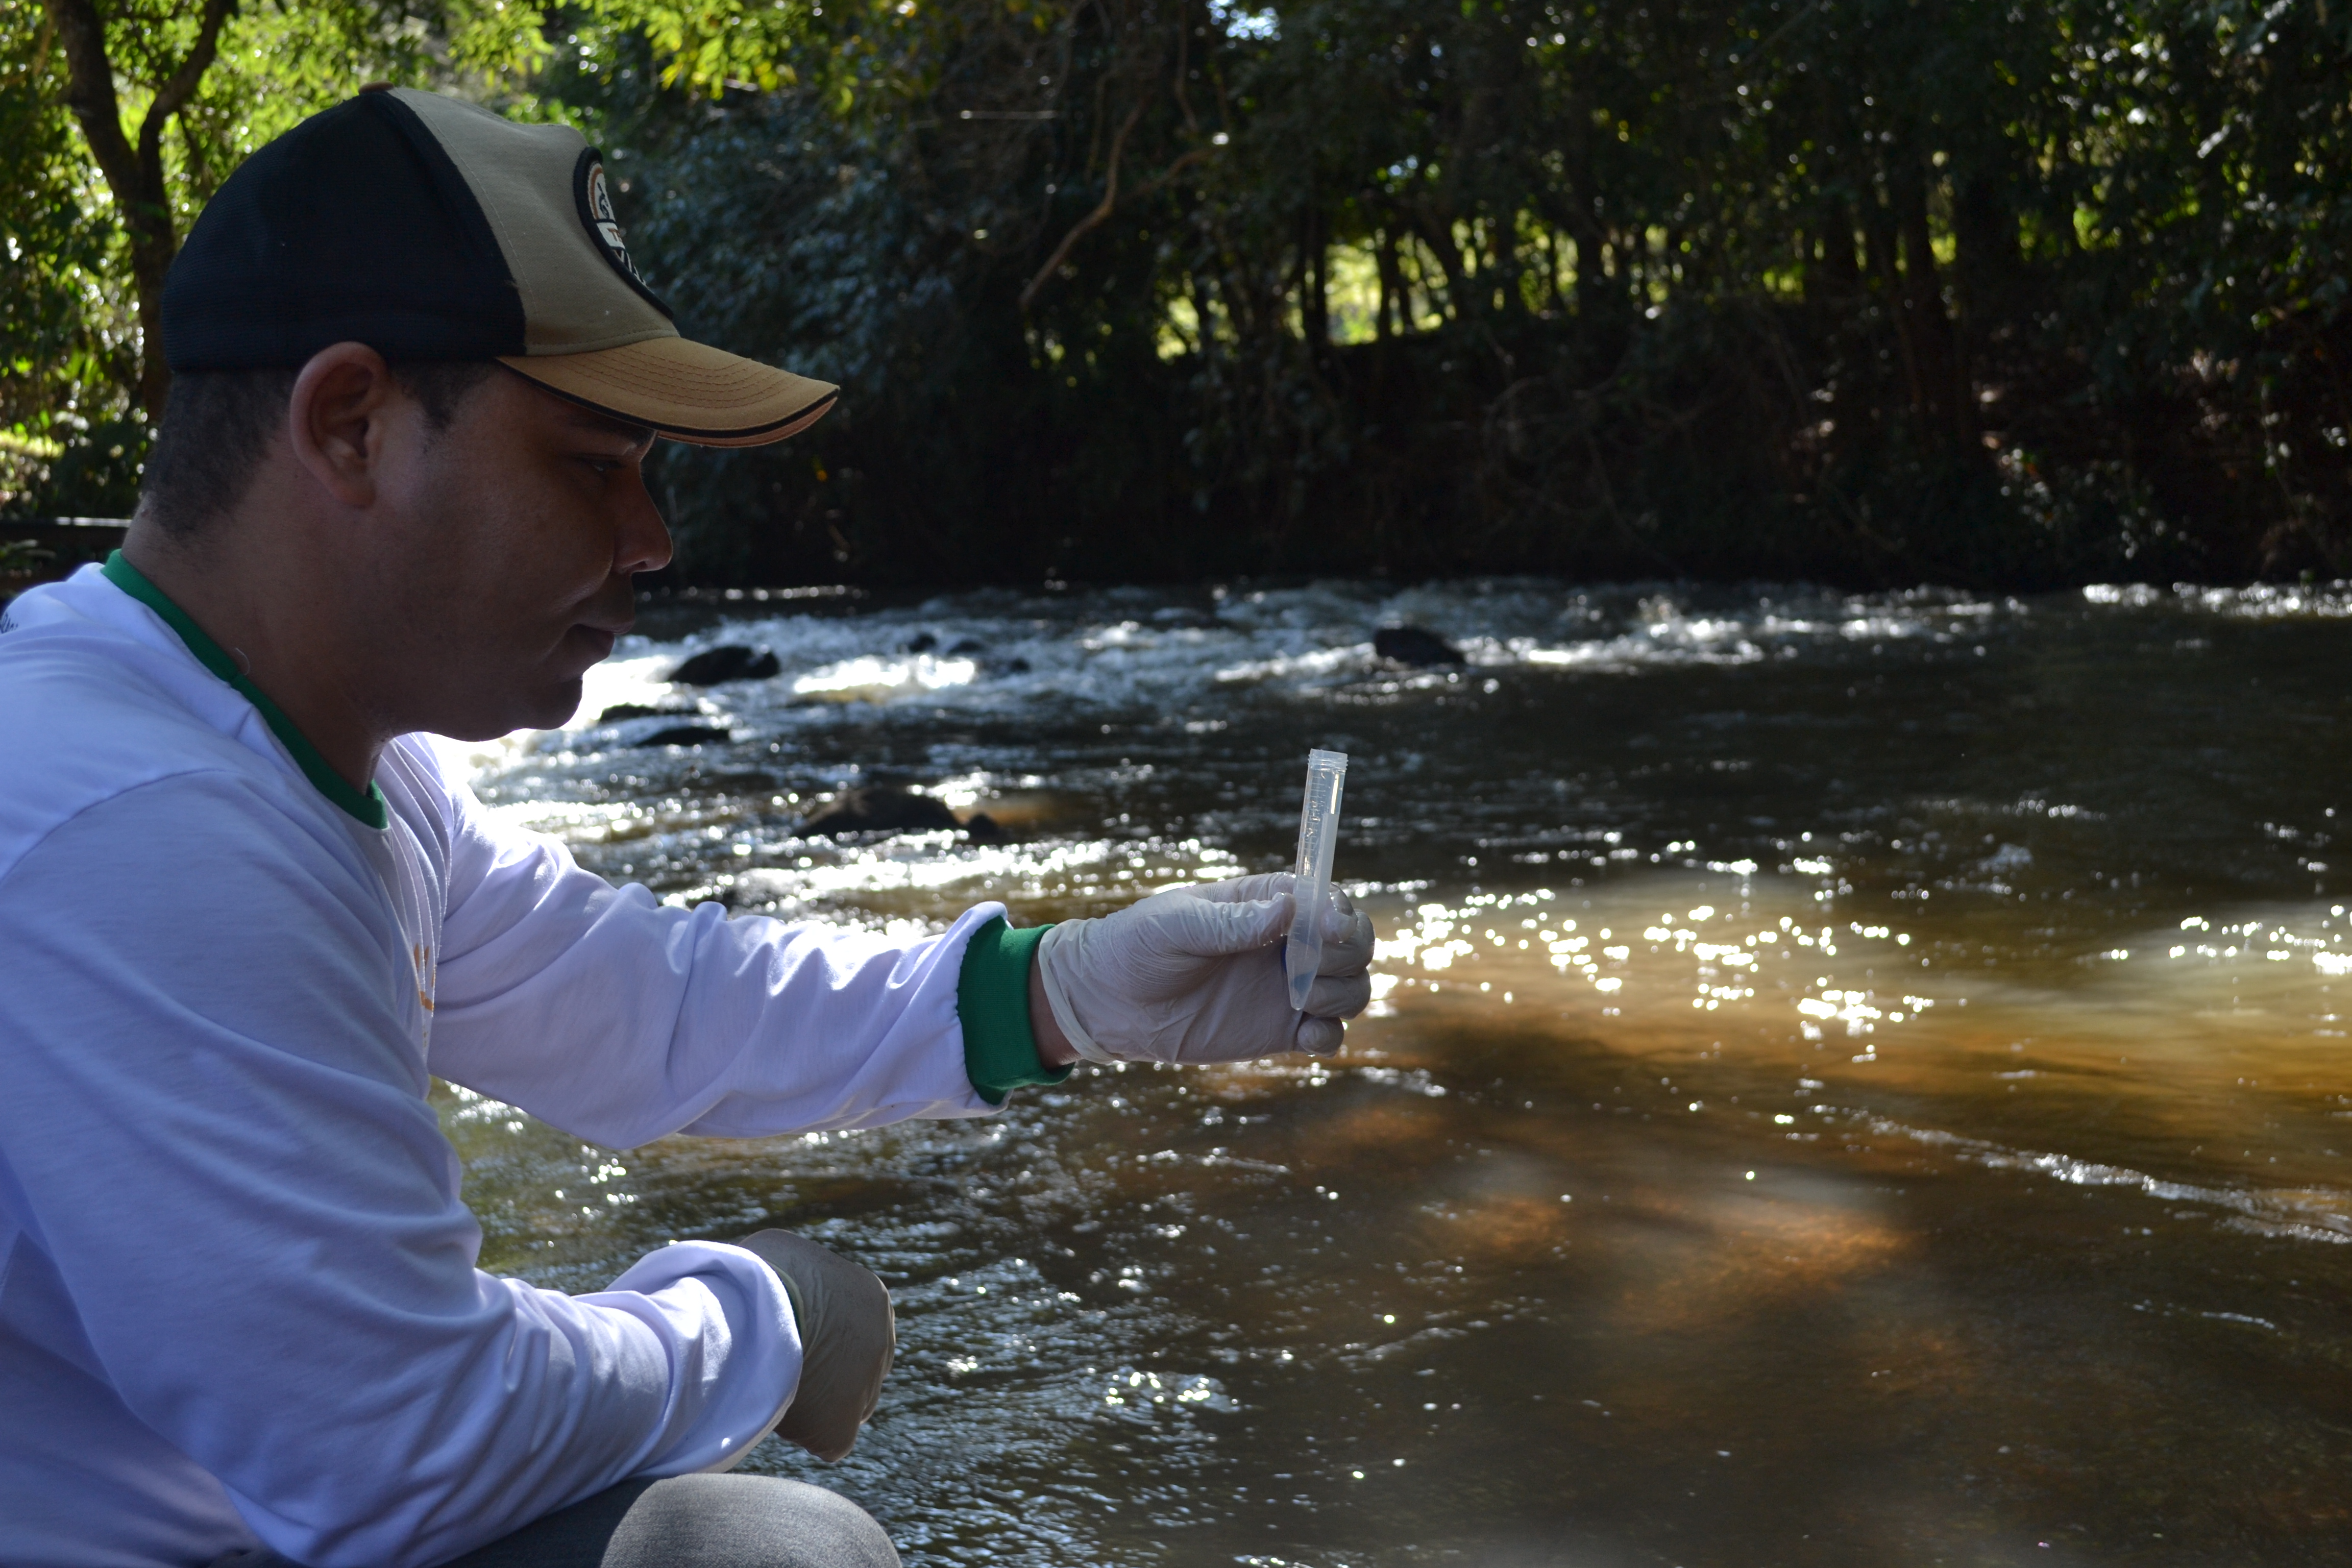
(1860, 290)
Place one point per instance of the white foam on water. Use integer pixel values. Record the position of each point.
(873, 679)
(2261, 602)
(1127, 649)
(936, 865)
(2301, 1214)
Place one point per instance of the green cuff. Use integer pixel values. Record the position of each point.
(999, 1049)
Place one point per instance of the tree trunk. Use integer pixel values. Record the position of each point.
(1838, 269)
(1392, 294)
(134, 170)
(1438, 236)
(1589, 280)
(1937, 388)
(1878, 244)
(1314, 290)
(1510, 266)
(1989, 265)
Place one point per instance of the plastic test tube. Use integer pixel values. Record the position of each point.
(1318, 838)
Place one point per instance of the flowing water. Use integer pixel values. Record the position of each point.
(1853, 1080)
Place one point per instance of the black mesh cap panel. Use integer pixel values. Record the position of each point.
(353, 227)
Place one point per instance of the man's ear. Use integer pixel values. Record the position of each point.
(339, 416)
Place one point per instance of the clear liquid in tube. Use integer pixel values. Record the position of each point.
(1319, 840)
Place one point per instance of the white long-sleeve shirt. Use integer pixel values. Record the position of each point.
(238, 1303)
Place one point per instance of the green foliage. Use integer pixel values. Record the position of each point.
(706, 45)
(62, 312)
(1866, 289)
(20, 555)
(1862, 289)
(70, 336)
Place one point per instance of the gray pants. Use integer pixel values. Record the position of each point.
(686, 1521)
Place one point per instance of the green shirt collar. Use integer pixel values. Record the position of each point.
(368, 808)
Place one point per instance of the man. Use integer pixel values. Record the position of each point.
(245, 913)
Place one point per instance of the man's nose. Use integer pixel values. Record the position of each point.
(644, 543)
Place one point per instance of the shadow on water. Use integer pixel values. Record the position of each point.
(1836, 1095)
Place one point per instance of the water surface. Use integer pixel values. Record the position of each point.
(1853, 1079)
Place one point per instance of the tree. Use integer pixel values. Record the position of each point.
(118, 117)
(165, 97)
(133, 165)
(1874, 290)
(1866, 289)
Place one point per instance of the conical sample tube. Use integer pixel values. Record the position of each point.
(1318, 839)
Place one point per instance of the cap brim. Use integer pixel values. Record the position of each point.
(687, 391)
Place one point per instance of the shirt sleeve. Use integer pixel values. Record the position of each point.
(213, 1126)
(621, 1020)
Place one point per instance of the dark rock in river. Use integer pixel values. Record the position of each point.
(982, 828)
(686, 735)
(1415, 646)
(619, 711)
(879, 808)
(1009, 667)
(922, 642)
(968, 645)
(731, 662)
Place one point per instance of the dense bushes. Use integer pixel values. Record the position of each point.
(1855, 288)
(1868, 291)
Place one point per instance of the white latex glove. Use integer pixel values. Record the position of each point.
(1194, 974)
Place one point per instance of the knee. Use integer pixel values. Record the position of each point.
(826, 1529)
(751, 1521)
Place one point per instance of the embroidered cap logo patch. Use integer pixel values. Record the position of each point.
(588, 187)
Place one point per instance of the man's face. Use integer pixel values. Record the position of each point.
(502, 569)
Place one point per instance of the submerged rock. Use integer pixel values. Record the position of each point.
(879, 808)
(619, 711)
(686, 735)
(1415, 645)
(921, 642)
(966, 646)
(731, 661)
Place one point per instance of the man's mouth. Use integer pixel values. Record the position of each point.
(601, 638)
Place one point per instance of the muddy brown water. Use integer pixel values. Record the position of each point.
(1854, 1081)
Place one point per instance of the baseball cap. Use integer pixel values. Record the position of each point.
(430, 228)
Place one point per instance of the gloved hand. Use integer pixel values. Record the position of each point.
(1194, 974)
(848, 1335)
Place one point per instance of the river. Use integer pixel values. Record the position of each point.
(1852, 1079)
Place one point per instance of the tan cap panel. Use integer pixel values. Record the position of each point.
(573, 300)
